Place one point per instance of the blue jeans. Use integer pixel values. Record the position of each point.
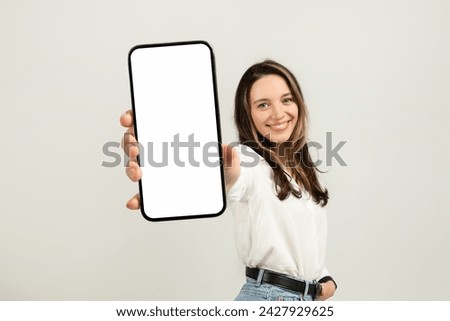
(254, 290)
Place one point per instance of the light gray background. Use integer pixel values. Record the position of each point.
(374, 73)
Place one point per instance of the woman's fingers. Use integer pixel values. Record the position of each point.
(130, 144)
(134, 202)
(126, 119)
(133, 171)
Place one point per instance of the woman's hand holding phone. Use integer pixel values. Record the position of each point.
(130, 147)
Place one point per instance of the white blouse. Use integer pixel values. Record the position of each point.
(286, 236)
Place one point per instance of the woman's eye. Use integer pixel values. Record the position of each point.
(263, 105)
(287, 100)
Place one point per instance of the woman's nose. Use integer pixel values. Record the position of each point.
(277, 111)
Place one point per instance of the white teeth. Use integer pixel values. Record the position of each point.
(280, 126)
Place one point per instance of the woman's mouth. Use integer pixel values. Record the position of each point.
(279, 126)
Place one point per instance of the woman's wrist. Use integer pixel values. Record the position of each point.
(326, 279)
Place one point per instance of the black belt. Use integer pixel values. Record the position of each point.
(285, 282)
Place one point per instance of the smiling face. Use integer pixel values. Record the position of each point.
(273, 109)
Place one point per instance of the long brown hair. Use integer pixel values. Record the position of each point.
(304, 171)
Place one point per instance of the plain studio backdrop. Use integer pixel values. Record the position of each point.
(375, 74)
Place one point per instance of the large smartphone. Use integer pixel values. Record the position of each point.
(176, 119)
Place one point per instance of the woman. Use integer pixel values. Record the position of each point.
(277, 201)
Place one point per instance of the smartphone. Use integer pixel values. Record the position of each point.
(176, 119)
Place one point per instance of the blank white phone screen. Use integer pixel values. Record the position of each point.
(177, 125)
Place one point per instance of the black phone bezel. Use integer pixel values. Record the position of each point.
(218, 127)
